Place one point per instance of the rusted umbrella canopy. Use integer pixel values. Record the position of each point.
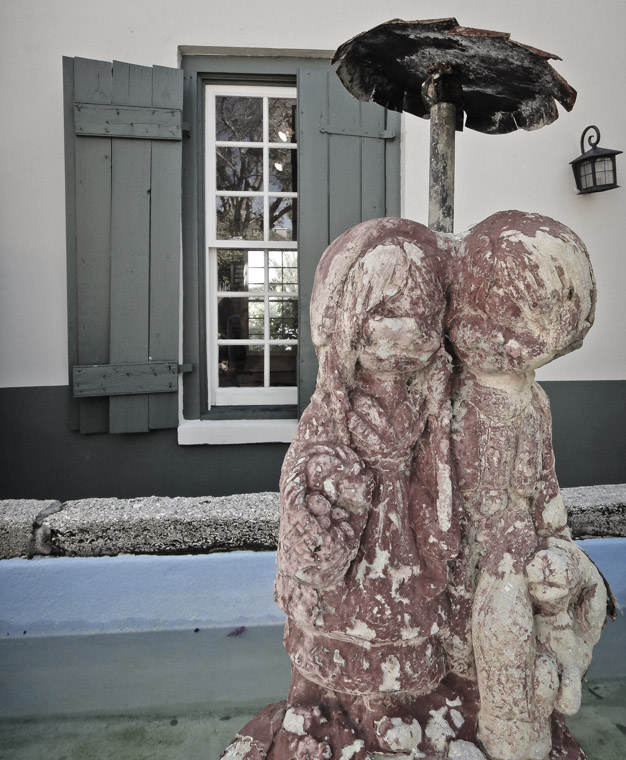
(504, 85)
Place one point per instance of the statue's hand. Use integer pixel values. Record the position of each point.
(324, 511)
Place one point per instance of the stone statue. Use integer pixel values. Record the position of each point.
(436, 604)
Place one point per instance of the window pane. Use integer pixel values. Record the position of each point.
(240, 318)
(283, 364)
(238, 119)
(283, 271)
(240, 270)
(239, 218)
(240, 367)
(283, 318)
(239, 169)
(231, 270)
(282, 215)
(283, 170)
(282, 115)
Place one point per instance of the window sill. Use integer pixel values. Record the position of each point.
(219, 432)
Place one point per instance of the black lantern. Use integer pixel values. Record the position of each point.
(595, 170)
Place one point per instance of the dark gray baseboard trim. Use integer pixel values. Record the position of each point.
(43, 459)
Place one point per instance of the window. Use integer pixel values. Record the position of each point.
(280, 159)
(251, 229)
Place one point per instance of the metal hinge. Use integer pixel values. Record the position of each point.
(385, 134)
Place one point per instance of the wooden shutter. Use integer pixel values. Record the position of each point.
(123, 183)
(350, 172)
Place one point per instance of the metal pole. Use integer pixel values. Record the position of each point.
(442, 95)
(441, 181)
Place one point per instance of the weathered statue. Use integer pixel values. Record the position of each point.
(436, 604)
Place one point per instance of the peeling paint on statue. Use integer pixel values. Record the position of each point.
(436, 605)
(522, 293)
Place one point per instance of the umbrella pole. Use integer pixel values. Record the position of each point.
(441, 187)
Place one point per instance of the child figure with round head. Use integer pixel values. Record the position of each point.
(522, 293)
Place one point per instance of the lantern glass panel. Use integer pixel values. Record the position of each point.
(586, 175)
(604, 171)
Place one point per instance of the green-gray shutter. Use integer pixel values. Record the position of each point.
(123, 184)
(349, 172)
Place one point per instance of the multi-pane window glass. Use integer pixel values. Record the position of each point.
(252, 174)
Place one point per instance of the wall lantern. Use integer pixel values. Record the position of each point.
(595, 170)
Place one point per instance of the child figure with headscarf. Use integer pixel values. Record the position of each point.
(367, 523)
(522, 293)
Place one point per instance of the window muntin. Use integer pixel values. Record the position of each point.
(251, 223)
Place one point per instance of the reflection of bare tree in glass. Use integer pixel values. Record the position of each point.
(283, 319)
(239, 119)
(241, 168)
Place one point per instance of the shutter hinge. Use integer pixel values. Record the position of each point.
(385, 134)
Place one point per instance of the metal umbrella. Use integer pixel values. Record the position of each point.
(456, 76)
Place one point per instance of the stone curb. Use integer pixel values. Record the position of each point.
(186, 525)
(596, 511)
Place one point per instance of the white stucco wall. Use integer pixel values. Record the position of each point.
(528, 171)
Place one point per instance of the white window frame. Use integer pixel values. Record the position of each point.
(281, 395)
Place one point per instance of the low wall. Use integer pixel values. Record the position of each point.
(183, 525)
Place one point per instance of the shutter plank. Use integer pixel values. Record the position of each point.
(93, 83)
(167, 87)
(393, 199)
(130, 273)
(130, 247)
(345, 178)
(372, 163)
(313, 211)
(132, 84)
(93, 267)
(70, 227)
(167, 91)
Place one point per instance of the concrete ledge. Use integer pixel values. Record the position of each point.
(596, 510)
(155, 525)
(20, 520)
(182, 525)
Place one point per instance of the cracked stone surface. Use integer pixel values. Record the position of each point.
(436, 603)
(596, 510)
(158, 525)
(252, 521)
(17, 521)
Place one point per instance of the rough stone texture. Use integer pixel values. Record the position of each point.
(159, 525)
(25, 529)
(17, 525)
(436, 603)
(596, 510)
